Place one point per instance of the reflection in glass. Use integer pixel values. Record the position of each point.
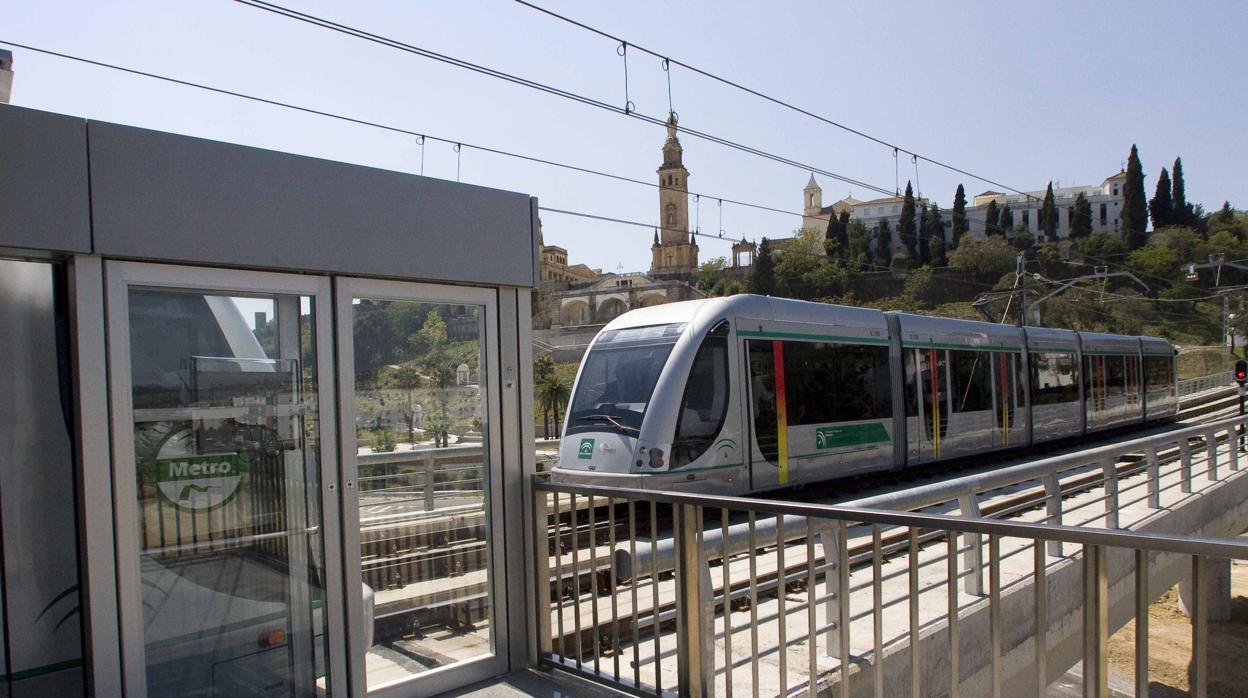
(227, 465)
(423, 461)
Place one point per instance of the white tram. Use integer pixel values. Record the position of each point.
(752, 393)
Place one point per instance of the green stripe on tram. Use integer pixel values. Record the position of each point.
(758, 334)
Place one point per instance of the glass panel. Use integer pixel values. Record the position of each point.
(705, 402)
(227, 459)
(1053, 378)
(423, 461)
(763, 397)
(934, 395)
(618, 377)
(972, 381)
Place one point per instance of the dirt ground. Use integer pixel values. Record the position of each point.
(1170, 645)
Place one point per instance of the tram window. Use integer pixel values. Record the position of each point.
(972, 382)
(835, 382)
(1115, 376)
(1157, 372)
(912, 390)
(1093, 376)
(763, 398)
(1053, 378)
(705, 403)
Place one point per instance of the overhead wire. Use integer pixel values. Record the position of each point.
(549, 89)
(774, 100)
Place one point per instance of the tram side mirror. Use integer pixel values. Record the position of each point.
(1241, 371)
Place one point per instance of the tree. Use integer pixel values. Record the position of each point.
(1102, 246)
(935, 237)
(987, 259)
(543, 368)
(1081, 219)
(1048, 215)
(1006, 223)
(802, 272)
(436, 361)
(837, 235)
(553, 392)
(1183, 211)
(883, 243)
(925, 250)
(1134, 205)
(1161, 207)
(763, 275)
(960, 224)
(992, 219)
(709, 273)
(1226, 214)
(1022, 238)
(905, 226)
(859, 239)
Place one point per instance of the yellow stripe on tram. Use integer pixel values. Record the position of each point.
(782, 417)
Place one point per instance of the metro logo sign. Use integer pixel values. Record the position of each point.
(199, 482)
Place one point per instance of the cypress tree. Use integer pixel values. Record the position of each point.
(1081, 220)
(1005, 226)
(905, 226)
(1161, 207)
(884, 244)
(842, 226)
(763, 276)
(925, 249)
(832, 236)
(1183, 213)
(935, 237)
(1226, 214)
(960, 224)
(1048, 215)
(1134, 204)
(992, 218)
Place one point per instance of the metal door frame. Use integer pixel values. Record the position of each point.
(498, 661)
(118, 278)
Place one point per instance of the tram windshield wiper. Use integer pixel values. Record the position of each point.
(610, 419)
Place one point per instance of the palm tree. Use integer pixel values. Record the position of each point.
(543, 367)
(553, 393)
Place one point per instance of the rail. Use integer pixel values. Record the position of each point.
(664, 615)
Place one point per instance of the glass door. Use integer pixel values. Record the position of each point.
(420, 450)
(224, 485)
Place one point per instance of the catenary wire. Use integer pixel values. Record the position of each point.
(773, 100)
(549, 89)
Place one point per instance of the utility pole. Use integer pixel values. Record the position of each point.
(1021, 270)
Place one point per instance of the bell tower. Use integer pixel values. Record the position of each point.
(674, 251)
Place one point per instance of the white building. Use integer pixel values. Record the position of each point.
(6, 75)
(1105, 198)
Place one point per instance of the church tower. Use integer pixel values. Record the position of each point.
(675, 252)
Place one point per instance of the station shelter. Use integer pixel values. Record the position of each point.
(261, 419)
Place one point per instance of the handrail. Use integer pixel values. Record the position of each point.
(1138, 540)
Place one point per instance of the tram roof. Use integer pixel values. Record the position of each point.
(1052, 338)
(946, 333)
(783, 310)
(1094, 342)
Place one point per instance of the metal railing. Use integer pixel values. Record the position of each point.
(657, 592)
(1191, 386)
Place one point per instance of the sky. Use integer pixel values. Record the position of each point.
(1018, 93)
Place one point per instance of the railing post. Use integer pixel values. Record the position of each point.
(1053, 509)
(540, 521)
(1200, 628)
(1185, 466)
(1211, 448)
(1154, 478)
(1233, 443)
(973, 558)
(1109, 467)
(828, 539)
(428, 467)
(690, 666)
(1095, 622)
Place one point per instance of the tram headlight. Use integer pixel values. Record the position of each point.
(656, 458)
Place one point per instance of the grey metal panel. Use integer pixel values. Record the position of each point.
(44, 200)
(1101, 342)
(1042, 338)
(164, 197)
(920, 329)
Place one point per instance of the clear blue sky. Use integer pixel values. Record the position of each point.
(1023, 93)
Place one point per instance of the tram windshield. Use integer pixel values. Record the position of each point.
(618, 378)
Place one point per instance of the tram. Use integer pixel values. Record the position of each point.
(750, 393)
